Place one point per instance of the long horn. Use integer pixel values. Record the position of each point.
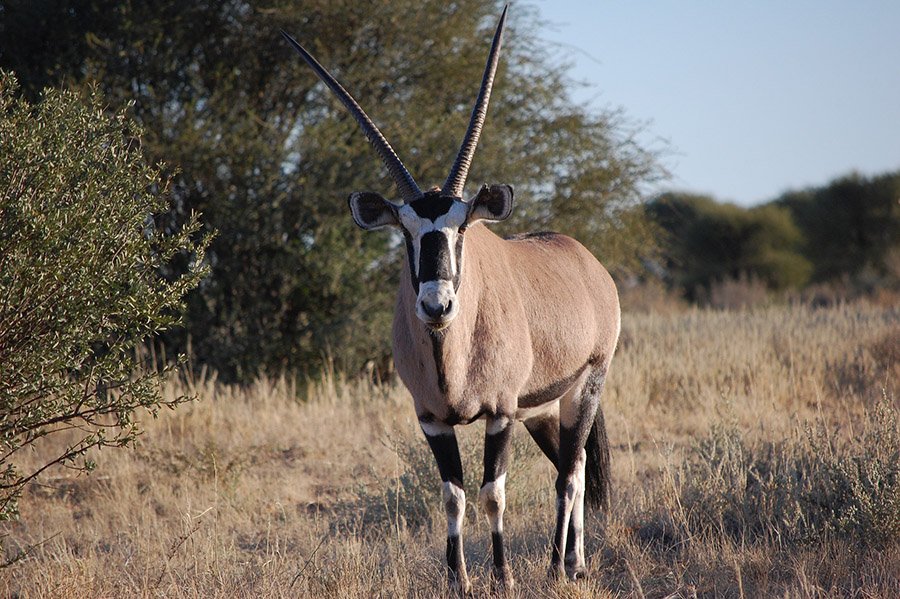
(405, 183)
(456, 180)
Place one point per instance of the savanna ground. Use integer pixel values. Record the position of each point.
(755, 453)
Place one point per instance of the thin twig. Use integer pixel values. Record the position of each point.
(740, 578)
(23, 553)
(181, 540)
(638, 589)
(308, 560)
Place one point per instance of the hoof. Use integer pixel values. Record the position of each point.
(460, 587)
(502, 580)
(575, 570)
(556, 572)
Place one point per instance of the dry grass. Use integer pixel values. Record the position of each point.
(755, 454)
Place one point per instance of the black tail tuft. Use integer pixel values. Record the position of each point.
(597, 477)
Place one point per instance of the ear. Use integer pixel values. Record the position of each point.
(371, 211)
(494, 203)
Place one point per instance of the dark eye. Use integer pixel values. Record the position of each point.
(462, 229)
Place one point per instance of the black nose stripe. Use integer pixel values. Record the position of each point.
(434, 257)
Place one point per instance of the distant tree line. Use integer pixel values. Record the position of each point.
(847, 231)
(260, 149)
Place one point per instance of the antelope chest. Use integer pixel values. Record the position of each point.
(455, 383)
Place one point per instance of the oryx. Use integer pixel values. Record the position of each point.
(502, 329)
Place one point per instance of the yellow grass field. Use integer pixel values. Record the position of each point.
(755, 453)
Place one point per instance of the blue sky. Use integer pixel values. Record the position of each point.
(753, 98)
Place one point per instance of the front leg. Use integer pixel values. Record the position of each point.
(492, 497)
(442, 441)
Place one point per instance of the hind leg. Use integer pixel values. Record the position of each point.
(577, 411)
(588, 434)
(562, 438)
(569, 534)
(545, 432)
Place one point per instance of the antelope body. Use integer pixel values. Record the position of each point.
(496, 329)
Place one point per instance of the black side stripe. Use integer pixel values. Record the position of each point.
(551, 391)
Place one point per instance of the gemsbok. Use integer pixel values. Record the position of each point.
(522, 328)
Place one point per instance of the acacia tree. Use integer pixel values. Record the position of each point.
(269, 157)
(80, 284)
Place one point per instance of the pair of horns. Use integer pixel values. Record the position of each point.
(406, 185)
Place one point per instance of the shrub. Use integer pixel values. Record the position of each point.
(712, 242)
(80, 282)
(650, 296)
(797, 491)
(738, 294)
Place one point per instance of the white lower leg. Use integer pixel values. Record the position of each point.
(564, 507)
(575, 557)
(455, 508)
(492, 499)
(454, 499)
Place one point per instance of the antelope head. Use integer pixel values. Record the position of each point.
(433, 222)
